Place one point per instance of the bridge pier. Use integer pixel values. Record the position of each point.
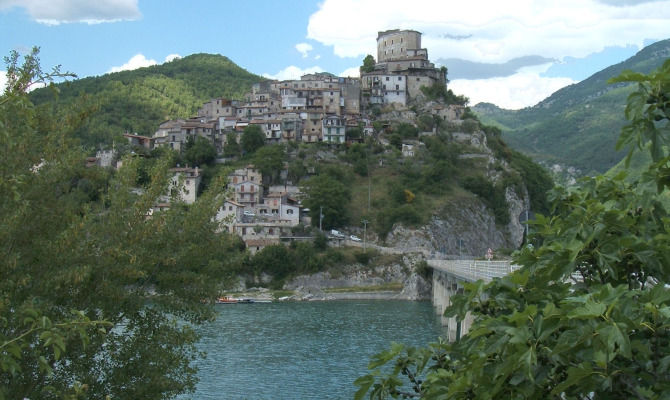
(444, 287)
(448, 278)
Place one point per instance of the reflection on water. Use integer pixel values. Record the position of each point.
(303, 350)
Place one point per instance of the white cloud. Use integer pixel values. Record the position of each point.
(55, 12)
(316, 57)
(292, 72)
(304, 49)
(137, 61)
(523, 89)
(140, 61)
(487, 31)
(353, 72)
(172, 57)
(3, 81)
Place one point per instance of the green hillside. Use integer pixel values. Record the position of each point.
(138, 100)
(579, 124)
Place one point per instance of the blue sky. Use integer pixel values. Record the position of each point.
(512, 53)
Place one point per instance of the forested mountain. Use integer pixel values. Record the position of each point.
(579, 124)
(138, 100)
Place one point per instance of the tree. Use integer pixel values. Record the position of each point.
(253, 139)
(74, 263)
(327, 193)
(588, 314)
(200, 152)
(232, 148)
(270, 161)
(368, 64)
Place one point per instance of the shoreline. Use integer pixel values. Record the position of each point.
(319, 295)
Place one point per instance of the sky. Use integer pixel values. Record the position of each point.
(512, 53)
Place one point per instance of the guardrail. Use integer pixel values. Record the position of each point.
(473, 270)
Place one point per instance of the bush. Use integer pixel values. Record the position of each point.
(492, 196)
(363, 257)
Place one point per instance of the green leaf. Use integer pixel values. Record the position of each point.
(384, 357)
(628, 76)
(364, 383)
(575, 376)
(617, 341)
(590, 309)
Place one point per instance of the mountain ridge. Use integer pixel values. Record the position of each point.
(577, 125)
(140, 99)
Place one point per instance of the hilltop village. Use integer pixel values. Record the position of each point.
(319, 107)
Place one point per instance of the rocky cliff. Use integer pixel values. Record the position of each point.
(414, 285)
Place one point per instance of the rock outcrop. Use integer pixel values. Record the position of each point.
(414, 286)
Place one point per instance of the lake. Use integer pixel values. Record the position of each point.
(303, 350)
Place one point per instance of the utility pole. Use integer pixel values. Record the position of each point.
(367, 162)
(365, 233)
(320, 217)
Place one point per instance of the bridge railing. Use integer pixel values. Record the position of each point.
(474, 269)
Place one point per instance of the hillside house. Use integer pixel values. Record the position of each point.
(333, 128)
(184, 184)
(229, 214)
(140, 141)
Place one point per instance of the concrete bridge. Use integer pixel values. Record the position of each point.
(448, 278)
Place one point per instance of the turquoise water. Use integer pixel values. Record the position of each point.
(303, 350)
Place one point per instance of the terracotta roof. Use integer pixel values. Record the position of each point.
(233, 202)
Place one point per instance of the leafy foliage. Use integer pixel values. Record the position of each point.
(199, 151)
(439, 91)
(139, 100)
(588, 314)
(270, 161)
(97, 299)
(252, 139)
(492, 195)
(368, 64)
(332, 196)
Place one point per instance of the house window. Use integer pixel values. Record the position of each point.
(387, 78)
(230, 208)
(242, 188)
(271, 231)
(397, 87)
(289, 211)
(400, 78)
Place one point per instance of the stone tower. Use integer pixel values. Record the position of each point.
(398, 44)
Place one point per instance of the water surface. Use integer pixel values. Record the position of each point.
(303, 350)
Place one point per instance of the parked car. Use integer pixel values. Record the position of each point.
(337, 234)
(355, 238)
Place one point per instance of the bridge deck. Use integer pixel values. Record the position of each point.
(473, 270)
